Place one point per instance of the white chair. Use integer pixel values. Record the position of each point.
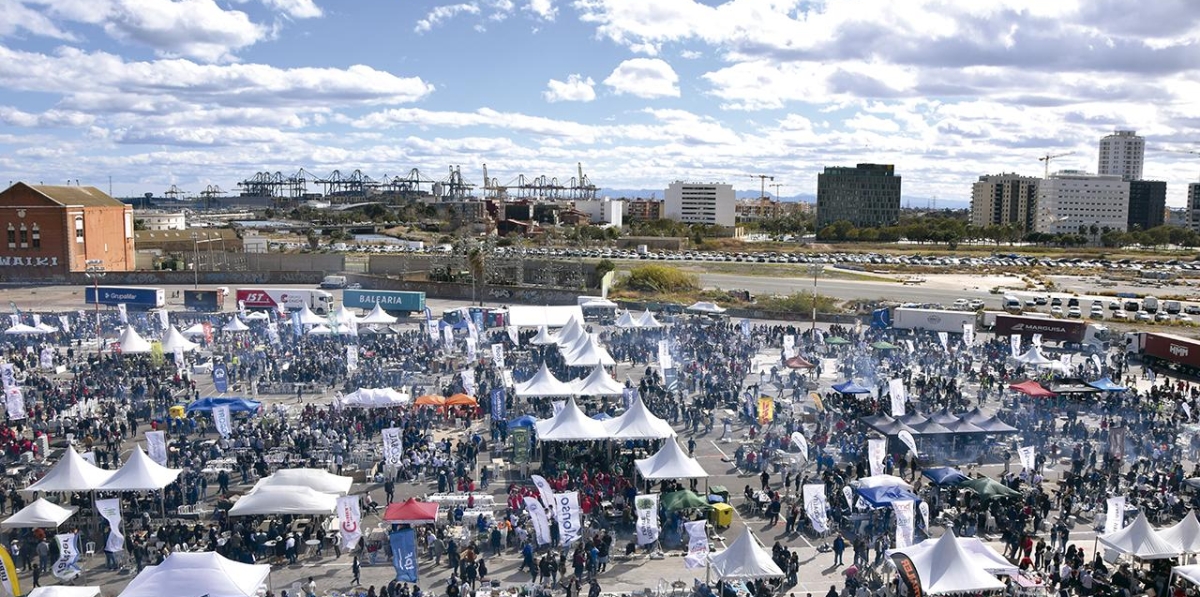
(90, 549)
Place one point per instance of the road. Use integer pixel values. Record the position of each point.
(846, 289)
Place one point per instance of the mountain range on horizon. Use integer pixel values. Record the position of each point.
(905, 202)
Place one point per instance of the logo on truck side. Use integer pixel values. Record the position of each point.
(1179, 350)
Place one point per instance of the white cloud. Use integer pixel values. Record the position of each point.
(15, 16)
(193, 28)
(644, 77)
(297, 9)
(543, 9)
(575, 89)
(444, 13)
(691, 54)
(50, 118)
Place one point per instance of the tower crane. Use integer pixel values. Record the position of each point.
(1048, 157)
(777, 186)
(763, 178)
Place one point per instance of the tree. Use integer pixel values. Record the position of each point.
(314, 240)
(476, 265)
(604, 266)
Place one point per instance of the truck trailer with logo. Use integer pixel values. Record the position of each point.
(292, 299)
(1070, 334)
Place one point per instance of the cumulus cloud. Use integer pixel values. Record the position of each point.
(444, 13)
(15, 16)
(644, 77)
(297, 9)
(576, 88)
(543, 9)
(193, 28)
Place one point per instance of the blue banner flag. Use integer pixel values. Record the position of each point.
(477, 316)
(297, 327)
(629, 394)
(404, 555)
(220, 378)
(498, 404)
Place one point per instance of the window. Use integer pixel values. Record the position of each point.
(12, 237)
(78, 229)
(24, 237)
(37, 237)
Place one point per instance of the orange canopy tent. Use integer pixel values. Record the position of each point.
(798, 362)
(461, 400)
(430, 400)
(411, 512)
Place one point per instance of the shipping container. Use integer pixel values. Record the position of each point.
(137, 298)
(394, 301)
(1172, 351)
(208, 301)
(932, 320)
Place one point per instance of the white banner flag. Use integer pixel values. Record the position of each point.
(513, 335)
(904, 523)
(566, 507)
(164, 319)
(65, 323)
(924, 508)
(68, 554)
(664, 354)
(1028, 457)
(816, 506)
(1015, 343)
(223, 420)
(393, 446)
(908, 440)
(541, 522)
(178, 357)
(1115, 520)
(46, 359)
(849, 495)
(111, 511)
(1037, 340)
(898, 396)
(352, 357)
(468, 379)
(544, 490)
(800, 443)
(1096, 361)
(471, 347)
(968, 334)
(646, 506)
(448, 338)
(944, 338)
(123, 313)
(349, 521)
(498, 355)
(697, 555)
(472, 331)
(789, 341)
(8, 375)
(506, 375)
(14, 403)
(876, 452)
(156, 446)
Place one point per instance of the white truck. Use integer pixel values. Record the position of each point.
(292, 299)
(932, 320)
(1150, 304)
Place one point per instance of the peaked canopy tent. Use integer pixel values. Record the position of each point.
(528, 316)
(884, 424)
(849, 387)
(912, 419)
(22, 329)
(943, 416)
(570, 333)
(974, 415)
(836, 341)
(64, 591)
(374, 398)
(1184, 535)
(591, 354)
(880, 497)
(235, 325)
(342, 315)
(71, 473)
(706, 307)
(377, 316)
(989, 489)
(1032, 389)
(637, 422)
(198, 573)
(39, 514)
(599, 383)
(132, 343)
(569, 425)
(944, 475)
(284, 499)
(963, 426)
(1034, 357)
(236, 405)
(307, 317)
(669, 462)
(993, 424)
(626, 321)
(140, 473)
(196, 329)
(1191, 573)
(798, 362)
(977, 551)
(461, 399)
(930, 427)
(543, 337)
(1073, 386)
(312, 478)
(256, 316)
(45, 327)
(320, 330)
(1105, 384)
(648, 321)
(1140, 540)
(883, 481)
(174, 339)
(411, 512)
(543, 384)
(744, 559)
(945, 568)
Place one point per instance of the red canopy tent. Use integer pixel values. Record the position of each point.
(798, 362)
(1032, 388)
(411, 512)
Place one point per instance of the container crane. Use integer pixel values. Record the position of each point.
(1048, 157)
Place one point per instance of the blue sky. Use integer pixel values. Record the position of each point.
(642, 92)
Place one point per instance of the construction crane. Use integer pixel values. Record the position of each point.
(763, 178)
(777, 186)
(1048, 157)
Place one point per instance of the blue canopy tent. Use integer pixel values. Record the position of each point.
(236, 405)
(1105, 384)
(460, 324)
(849, 387)
(522, 421)
(944, 475)
(602, 416)
(882, 497)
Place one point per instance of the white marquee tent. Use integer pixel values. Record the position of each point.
(744, 559)
(670, 463)
(638, 423)
(570, 424)
(315, 479)
(132, 343)
(235, 325)
(198, 573)
(945, 567)
(1139, 540)
(39, 514)
(196, 329)
(590, 354)
(626, 321)
(64, 591)
(320, 330)
(1184, 536)
(1190, 572)
(1034, 357)
(647, 320)
(706, 307)
(175, 339)
(543, 383)
(374, 398)
(599, 383)
(883, 481)
(977, 551)
(307, 317)
(284, 499)
(20, 328)
(543, 337)
(569, 334)
(342, 315)
(71, 473)
(527, 316)
(377, 316)
(140, 473)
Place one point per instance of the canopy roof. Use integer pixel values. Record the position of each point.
(64, 591)
(1184, 536)
(374, 398)
(626, 321)
(174, 340)
(744, 559)
(1033, 356)
(307, 317)
(343, 315)
(198, 573)
(570, 424)
(993, 424)
(140, 473)
(963, 426)
(976, 551)
(637, 422)
(71, 473)
(798, 362)
(883, 345)
(590, 354)
(570, 333)
(1140, 541)
(284, 499)
(312, 478)
(235, 325)
(989, 489)
(879, 497)
(543, 383)
(944, 475)
(943, 416)
(884, 424)
(39, 514)
(836, 341)
(543, 337)
(131, 342)
(670, 463)
(1032, 389)
(411, 512)
(527, 316)
(706, 307)
(946, 568)
(598, 383)
(931, 427)
(21, 328)
(849, 387)
(974, 415)
(320, 330)
(883, 481)
(647, 320)
(236, 405)
(682, 500)
(196, 329)
(1105, 384)
(377, 316)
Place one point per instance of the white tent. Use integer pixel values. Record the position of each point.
(570, 424)
(597, 302)
(883, 481)
(543, 337)
(175, 339)
(343, 315)
(744, 559)
(39, 514)
(638, 423)
(284, 499)
(64, 591)
(543, 383)
(599, 383)
(307, 317)
(591, 354)
(647, 320)
(528, 316)
(1140, 540)
(235, 325)
(706, 307)
(198, 573)
(570, 333)
(45, 327)
(945, 567)
(626, 321)
(1190, 572)
(312, 478)
(257, 316)
(568, 348)
(377, 316)
(132, 343)
(1034, 357)
(977, 551)
(71, 473)
(374, 398)
(1184, 535)
(140, 473)
(194, 330)
(320, 330)
(670, 463)
(21, 328)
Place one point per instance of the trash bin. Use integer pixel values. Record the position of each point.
(177, 411)
(721, 516)
(718, 490)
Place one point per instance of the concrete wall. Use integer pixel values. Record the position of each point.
(160, 278)
(491, 294)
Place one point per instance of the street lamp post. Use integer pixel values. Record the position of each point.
(816, 271)
(95, 271)
(195, 260)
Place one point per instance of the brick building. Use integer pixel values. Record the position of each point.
(644, 209)
(58, 229)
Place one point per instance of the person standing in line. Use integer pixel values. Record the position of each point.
(356, 571)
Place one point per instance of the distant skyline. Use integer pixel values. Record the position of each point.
(208, 92)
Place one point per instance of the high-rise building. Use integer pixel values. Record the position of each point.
(1004, 199)
(1070, 201)
(1147, 203)
(1122, 154)
(1193, 206)
(700, 203)
(866, 195)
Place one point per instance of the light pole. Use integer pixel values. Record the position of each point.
(195, 260)
(95, 271)
(816, 271)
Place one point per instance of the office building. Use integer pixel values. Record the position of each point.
(1147, 203)
(708, 203)
(1122, 154)
(61, 229)
(867, 195)
(1193, 206)
(1003, 200)
(1071, 200)
(644, 210)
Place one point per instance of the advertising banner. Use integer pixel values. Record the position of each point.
(566, 506)
(541, 522)
(404, 555)
(393, 446)
(156, 446)
(111, 511)
(349, 521)
(876, 452)
(646, 507)
(816, 506)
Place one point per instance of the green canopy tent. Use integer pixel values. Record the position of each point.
(989, 489)
(881, 345)
(836, 341)
(682, 500)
